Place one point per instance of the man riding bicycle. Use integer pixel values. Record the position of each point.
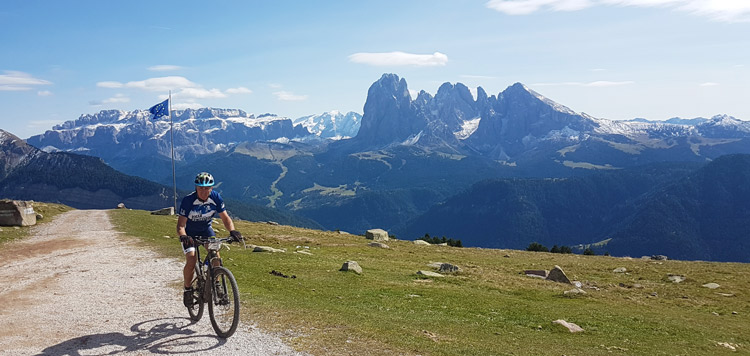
(196, 212)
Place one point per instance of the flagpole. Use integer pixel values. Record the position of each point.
(171, 135)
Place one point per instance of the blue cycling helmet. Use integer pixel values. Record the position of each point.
(204, 179)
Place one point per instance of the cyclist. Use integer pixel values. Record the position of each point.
(195, 215)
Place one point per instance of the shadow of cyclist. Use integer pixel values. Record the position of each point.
(159, 336)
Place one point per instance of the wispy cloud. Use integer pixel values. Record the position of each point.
(719, 10)
(153, 84)
(164, 68)
(44, 93)
(289, 96)
(239, 90)
(600, 83)
(19, 81)
(399, 59)
(118, 98)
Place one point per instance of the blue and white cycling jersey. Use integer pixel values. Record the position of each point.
(199, 213)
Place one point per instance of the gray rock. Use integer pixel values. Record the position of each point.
(676, 278)
(163, 211)
(449, 268)
(266, 249)
(272, 223)
(570, 326)
(378, 244)
(39, 216)
(711, 285)
(17, 213)
(429, 274)
(620, 270)
(536, 273)
(557, 275)
(351, 266)
(435, 265)
(421, 242)
(303, 252)
(377, 235)
(121, 206)
(574, 292)
(659, 257)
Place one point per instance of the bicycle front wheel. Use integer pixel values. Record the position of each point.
(224, 306)
(196, 309)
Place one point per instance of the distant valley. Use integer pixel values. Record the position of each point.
(492, 170)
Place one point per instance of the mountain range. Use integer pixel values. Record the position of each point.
(412, 156)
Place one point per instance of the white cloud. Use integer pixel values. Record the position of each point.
(468, 76)
(118, 98)
(400, 59)
(17, 81)
(188, 105)
(113, 85)
(600, 83)
(199, 93)
(162, 84)
(719, 10)
(709, 84)
(44, 93)
(289, 96)
(163, 68)
(239, 90)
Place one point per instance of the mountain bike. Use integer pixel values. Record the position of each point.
(214, 284)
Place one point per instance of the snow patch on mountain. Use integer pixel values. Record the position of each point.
(332, 125)
(467, 128)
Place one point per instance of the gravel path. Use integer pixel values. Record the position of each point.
(77, 287)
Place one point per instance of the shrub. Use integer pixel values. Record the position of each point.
(537, 247)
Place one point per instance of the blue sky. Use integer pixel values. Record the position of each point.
(615, 59)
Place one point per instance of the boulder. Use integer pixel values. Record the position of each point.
(711, 285)
(377, 235)
(620, 270)
(675, 278)
(570, 326)
(448, 268)
(378, 244)
(421, 242)
(266, 249)
(17, 213)
(536, 273)
(164, 211)
(429, 274)
(659, 257)
(557, 275)
(351, 266)
(121, 206)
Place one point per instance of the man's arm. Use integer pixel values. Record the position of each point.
(181, 222)
(228, 223)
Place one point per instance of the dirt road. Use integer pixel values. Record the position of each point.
(77, 287)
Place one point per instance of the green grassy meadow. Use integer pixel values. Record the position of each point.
(489, 308)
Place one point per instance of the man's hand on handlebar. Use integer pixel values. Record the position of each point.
(185, 239)
(236, 235)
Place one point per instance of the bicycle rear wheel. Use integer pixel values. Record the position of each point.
(196, 310)
(224, 306)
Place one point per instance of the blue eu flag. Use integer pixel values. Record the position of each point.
(160, 109)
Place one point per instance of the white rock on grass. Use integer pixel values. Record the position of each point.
(570, 326)
(711, 285)
(429, 274)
